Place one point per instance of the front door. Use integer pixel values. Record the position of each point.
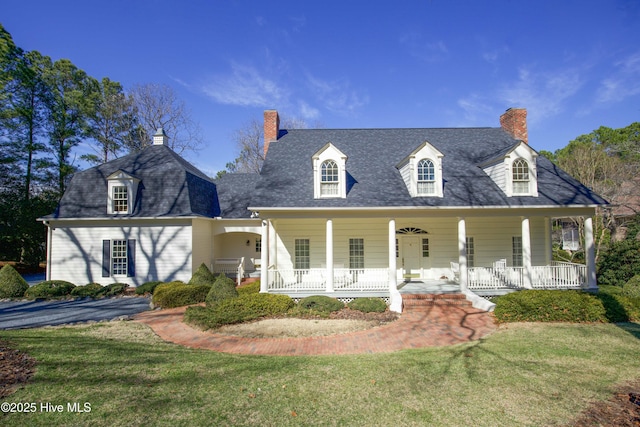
(411, 256)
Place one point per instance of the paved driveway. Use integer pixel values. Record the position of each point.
(34, 314)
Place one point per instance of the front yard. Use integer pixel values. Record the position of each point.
(524, 374)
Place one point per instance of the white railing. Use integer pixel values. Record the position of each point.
(559, 275)
(314, 279)
(230, 266)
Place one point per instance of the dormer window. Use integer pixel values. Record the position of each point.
(426, 177)
(329, 173)
(329, 179)
(122, 189)
(520, 176)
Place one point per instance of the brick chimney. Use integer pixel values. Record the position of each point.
(514, 121)
(160, 137)
(271, 128)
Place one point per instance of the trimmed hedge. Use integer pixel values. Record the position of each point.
(12, 284)
(368, 305)
(609, 305)
(223, 288)
(202, 276)
(632, 287)
(251, 288)
(113, 289)
(320, 304)
(178, 294)
(92, 290)
(147, 287)
(236, 310)
(50, 289)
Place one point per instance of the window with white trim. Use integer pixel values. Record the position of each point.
(258, 244)
(120, 198)
(356, 253)
(426, 177)
(471, 252)
(516, 250)
(329, 179)
(301, 254)
(520, 176)
(119, 258)
(425, 248)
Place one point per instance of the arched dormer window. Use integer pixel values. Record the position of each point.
(520, 176)
(426, 177)
(329, 178)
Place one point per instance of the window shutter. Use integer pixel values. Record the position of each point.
(106, 258)
(131, 257)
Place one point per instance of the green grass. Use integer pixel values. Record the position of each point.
(523, 374)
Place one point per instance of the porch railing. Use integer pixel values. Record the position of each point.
(558, 275)
(230, 267)
(314, 279)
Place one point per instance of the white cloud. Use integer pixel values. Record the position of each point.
(308, 112)
(337, 96)
(624, 81)
(245, 86)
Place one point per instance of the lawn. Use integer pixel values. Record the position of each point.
(523, 374)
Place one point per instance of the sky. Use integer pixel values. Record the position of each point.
(574, 65)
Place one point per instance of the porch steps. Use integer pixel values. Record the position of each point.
(420, 301)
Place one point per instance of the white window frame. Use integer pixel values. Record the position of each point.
(520, 177)
(415, 181)
(116, 180)
(302, 261)
(516, 251)
(426, 179)
(356, 253)
(119, 257)
(471, 251)
(329, 179)
(321, 186)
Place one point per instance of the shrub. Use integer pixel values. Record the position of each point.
(223, 288)
(251, 288)
(91, 290)
(50, 289)
(147, 287)
(620, 263)
(178, 294)
(320, 304)
(368, 305)
(12, 284)
(632, 287)
(619, 306)
(550, 306)
(202, 276)
(237, 310)
(113, 289)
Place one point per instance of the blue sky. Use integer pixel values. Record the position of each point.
(574, 65)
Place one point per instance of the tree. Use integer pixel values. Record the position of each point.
(250, 144)
(157, 106)
(112, 123)
(72, 99)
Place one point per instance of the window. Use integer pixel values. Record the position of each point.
(397, 249)
(329, 180)
(471, 252)
(120, 199)
(301, 261)
(425, 248)
(516, 245)
(520, 176)
(356, 253)
(119, 257)
(426, 177)
(259, 244)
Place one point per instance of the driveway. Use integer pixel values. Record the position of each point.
(35, 314)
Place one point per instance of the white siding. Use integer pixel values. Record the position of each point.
(234, 245)
(497, 174)
(405, 172)
(202, 243)
(163, 251)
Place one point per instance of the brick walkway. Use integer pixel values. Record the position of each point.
(418, 327)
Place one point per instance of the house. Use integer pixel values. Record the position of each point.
(346, 212)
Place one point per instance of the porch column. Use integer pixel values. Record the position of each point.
(393, 281)
(329, 256)
(273, 244)
(526, 253)
(462, 254)
(264, 257)
(591, 253)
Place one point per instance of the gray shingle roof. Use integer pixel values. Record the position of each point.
(287, 175)
(169, 186)
(234, 193)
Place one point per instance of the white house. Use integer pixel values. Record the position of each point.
(346, 212)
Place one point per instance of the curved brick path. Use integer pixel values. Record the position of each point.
(428, 327)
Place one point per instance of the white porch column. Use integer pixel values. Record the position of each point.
(462, 254)
(526, 253)
(273, 244)
(395, 299)
(589, 247)
(264, 257)
(329, 256)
